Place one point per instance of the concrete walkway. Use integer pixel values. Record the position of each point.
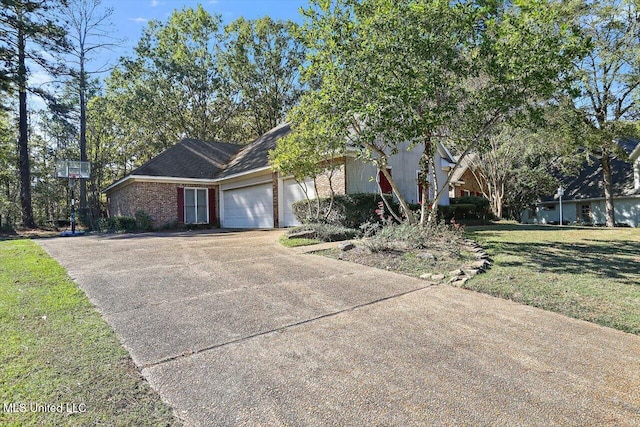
(233, 329)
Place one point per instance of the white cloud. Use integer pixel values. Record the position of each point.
(139, 20)
(214, 1)
(39, 78)
(154, 3)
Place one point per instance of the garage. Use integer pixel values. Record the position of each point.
(248, 207)
(292, 192)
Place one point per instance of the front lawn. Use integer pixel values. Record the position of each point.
(586, 273)
(297, 241)
(61, 364)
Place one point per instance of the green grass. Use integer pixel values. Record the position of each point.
(55, 349)
(292, 243)
(587, 273)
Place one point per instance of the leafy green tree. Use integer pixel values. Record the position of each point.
(427, 71)
(9, 205)
(172, 88)
(260, 60)
(109, 158)
(376, 67)
(53, 137)
(608, 84)
(512, 168)
(27, 29)
(309, 151)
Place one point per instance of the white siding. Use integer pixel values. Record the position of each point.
(627, 211)
(361, 177)
(293, 192)
(546, 215)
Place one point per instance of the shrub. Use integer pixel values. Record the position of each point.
(143, 221)
(349, 210)
(463, 208)
(171, 225)
(407, 236)
(324, 232)
(117, 223)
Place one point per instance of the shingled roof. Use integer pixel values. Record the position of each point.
(256, 154)
(195, 159)
(588, 183)
(190, 158)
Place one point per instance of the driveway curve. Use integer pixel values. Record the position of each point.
(233, 329)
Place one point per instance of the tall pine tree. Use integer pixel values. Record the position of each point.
(27, 30)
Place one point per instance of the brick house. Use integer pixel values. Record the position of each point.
(464, 182)
(231, 185)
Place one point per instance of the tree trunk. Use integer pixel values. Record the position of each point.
(433, 174)
(84, 217)
(23, 140)
(381, 162)
(608, 189)
(424, 196)
(425, 162)
(396, 191)
(332, 193)
(498, 206)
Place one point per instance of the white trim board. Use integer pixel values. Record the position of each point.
(178, 180)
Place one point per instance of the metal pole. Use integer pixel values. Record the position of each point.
(73, 203)
(561, 216)
(560, 193)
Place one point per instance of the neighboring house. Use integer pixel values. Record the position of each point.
(464, 182)
(198, 182)
(583, 201)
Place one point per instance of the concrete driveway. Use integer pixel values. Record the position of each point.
(233, 329)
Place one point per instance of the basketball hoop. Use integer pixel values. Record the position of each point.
(72, 170)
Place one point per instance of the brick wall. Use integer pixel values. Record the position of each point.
(470, 183)
(159, 200)
(338, 182)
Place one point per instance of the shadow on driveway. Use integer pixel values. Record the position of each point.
(234, 329)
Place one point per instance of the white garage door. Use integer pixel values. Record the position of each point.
(248, 207)
(292, 193)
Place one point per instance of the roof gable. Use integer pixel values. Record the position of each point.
(256, 154)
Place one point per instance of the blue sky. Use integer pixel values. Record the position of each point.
(131, 16)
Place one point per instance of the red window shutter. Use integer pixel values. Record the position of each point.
(212, 205)
(180, 205)
(385, 186)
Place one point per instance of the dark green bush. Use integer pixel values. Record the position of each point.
(480, 202)
(117, 223)
(325, 232)
(466, 208)
(143, 221)
(140, 222)
(349, 210)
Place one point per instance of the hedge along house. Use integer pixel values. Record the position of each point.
(583, 201)
(198, 182)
